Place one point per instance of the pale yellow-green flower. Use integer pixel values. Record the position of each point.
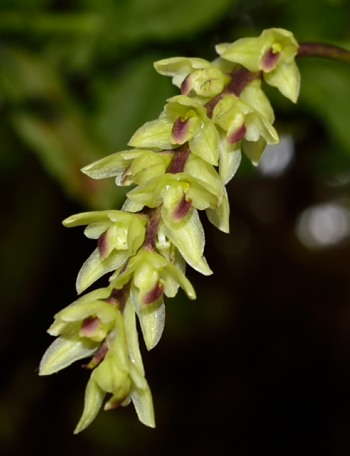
(120, 235)
(183, 120)
(193, 75)
(273, 53)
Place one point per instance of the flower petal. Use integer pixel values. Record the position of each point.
(188, 237)
(154, 134)
(205, 143)
(80, 310)
(286, 78)
(255, 97)
(179, 67)
(64, 352)
(111, 165)
(95, 267)
(230, 159)
(151, 318)
(86, 218)
(245, 51)
(143, 403)
(179, 277)
(132, 336)
(254, 149)
(205, 173)
(220, 216)
(148, 166)
(94, 396)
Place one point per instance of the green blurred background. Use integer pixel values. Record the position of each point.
(260, 362)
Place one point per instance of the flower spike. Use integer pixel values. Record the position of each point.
(178, 165)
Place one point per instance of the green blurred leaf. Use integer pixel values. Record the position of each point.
(128, 101)
(60, 147)
(97, 29)
(325, 89)
(46, 118)
(169, 19)
(316, 18)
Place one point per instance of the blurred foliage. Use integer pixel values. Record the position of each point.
(76, 80)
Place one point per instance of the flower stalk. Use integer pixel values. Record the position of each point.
(323, 50)
(178, 166)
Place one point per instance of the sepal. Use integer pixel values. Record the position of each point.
(95, 267)
(65, 351)
(142, 400)
(220, 216)
(179, 67)
(113, 165)
(154, 134)
(188, 236)
(230, 159)
(151, 318)
(94, 396)
(286, 80)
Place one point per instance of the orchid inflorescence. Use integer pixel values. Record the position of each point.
(178, 165)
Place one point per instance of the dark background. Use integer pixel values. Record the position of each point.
(260, 361)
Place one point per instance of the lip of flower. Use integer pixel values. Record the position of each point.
(271, 58)
(185, 128)
(237, 134)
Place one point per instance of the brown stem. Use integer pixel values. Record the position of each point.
(239, 81)
(178, 163)
(328, 51)
(152, 227)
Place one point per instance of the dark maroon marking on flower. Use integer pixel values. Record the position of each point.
(118, 297)
(270, 60)
(102, 245)
(179, 131)
(154, 294)
(210, 106)
(237, 135)
(186, 86)
(240, 80)
(89, 326)
(178, 163)
(96, 359)
(182, 209)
